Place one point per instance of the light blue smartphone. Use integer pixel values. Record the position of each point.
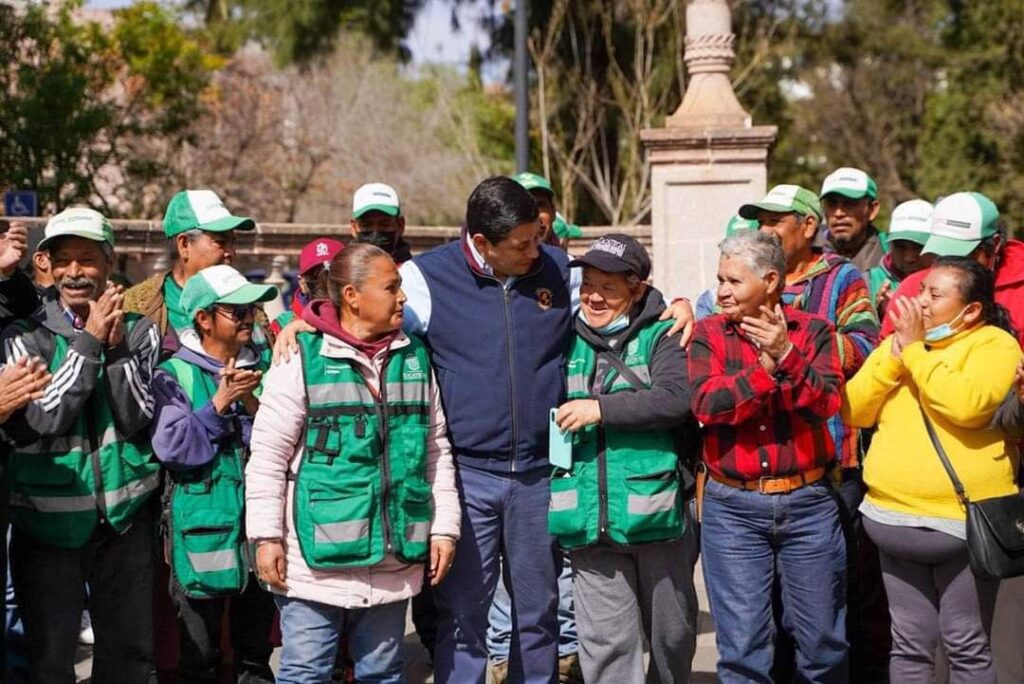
(559, 444)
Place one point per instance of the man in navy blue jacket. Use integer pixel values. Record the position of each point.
(495, 309)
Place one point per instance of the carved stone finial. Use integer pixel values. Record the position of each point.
(709, 101)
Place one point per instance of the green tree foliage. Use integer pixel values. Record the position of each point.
(297, 31)
(84, 106)
(926, 95)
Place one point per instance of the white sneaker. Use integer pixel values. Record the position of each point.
(85, 636)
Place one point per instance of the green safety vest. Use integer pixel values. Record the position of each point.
(208, 550)
(61, 486)
(623, 486)
(361, 489)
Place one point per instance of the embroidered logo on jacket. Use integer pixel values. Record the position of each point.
(544, 298)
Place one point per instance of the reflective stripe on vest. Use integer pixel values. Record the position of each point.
(655, 503)
(213, 561)
(563, 501)
(417, 531)
(131, 490)
(340, 532)
(54, 504)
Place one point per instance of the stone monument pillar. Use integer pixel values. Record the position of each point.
(707, 160)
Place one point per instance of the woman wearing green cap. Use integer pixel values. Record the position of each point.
(206, 398)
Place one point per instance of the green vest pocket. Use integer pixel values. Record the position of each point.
(413, 523)
(340, 525)
(208, 560)
(653, 509)
(565, 517)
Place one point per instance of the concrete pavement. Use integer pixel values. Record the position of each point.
(418, 664)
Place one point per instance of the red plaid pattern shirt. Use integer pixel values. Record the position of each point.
(759, 424)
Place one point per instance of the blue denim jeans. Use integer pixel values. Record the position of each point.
(16, 649)
(499, 630)
(504, 520)
(746, 539)
(310, 631)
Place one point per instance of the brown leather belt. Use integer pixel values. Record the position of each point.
(773, 485)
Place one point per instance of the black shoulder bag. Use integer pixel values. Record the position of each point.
(995, 527)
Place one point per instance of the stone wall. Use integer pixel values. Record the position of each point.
(142, 248)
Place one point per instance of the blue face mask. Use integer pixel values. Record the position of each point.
(944, 331)
(620, 323)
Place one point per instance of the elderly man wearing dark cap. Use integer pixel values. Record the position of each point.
(619, 506)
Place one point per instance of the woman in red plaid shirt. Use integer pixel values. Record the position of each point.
(766, 379)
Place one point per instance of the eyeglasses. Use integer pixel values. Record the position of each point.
(236, 312)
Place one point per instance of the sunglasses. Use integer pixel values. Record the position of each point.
(236, 312)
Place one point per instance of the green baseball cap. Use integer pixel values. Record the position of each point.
(911, 221)
(960, 223)
(77, 222)
(737, 224)
(565, 230)
(221, 284)
(533, 181)
(784, 199)
(202, 209)
(851, 183)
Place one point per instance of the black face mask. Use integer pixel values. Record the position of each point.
(388, 241)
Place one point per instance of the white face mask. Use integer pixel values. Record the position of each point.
(945, 330)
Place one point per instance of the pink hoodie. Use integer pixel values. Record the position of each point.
(277, 446)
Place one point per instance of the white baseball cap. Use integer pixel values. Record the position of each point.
(960, 223)
(79, 222)
(911, 221)
(221, 284)
(849, 182)
(203, 210)
(375, 197)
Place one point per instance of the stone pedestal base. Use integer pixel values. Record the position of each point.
(699, 178)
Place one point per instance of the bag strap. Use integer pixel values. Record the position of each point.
(627, 373)
(961, 493)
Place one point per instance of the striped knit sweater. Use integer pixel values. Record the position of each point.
(833, 288)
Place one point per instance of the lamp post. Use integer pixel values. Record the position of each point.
(520, 72)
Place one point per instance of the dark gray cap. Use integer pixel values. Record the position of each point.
(616, 253)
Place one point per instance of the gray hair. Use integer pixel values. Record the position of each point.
(172, 243)
(762, 251)
(351, 266)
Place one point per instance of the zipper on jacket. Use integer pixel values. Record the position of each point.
(385, 462)
(511, 377)
(94, 457)
(602, 483)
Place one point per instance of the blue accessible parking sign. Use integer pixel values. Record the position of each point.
(21, 203)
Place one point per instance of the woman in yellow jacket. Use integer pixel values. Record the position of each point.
(952, 357)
